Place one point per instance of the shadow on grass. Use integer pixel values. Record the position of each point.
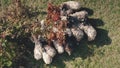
(102, 38)
(81, 49)
(95, 22)
(43, 13)
(33, 14)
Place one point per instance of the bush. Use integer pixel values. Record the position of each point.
(15, 22)
(8, 53)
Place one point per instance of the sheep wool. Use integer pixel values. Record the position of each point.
(73, 5)
(81, 15)
(77, 33)
(58, 46)
(89, 30)
(50, 50)
(46, 58)
(37, 51)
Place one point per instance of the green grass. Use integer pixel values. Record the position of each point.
(104, 52)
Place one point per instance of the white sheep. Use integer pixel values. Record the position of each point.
(38, 50)
(50, 50)
(89, 30)
(46, 57)
(81, 15)
(69, 6)
(72, 5)
(78, 34)
(58, 46)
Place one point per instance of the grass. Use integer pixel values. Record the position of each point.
(104, 52)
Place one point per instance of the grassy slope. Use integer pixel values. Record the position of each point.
(104, 52)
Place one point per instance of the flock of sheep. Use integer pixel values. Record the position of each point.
(77, 27)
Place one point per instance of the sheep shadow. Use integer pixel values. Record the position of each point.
(84, 49)
(81, 49)
(26, 59)
(95, 22)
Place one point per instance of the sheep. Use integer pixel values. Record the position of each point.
(81, 15)
(89, 30)
(46, 57)
(58, 46)
(78, 34)
(37, 48)
(68, 32)
(50, 50)
(77, 17)
(69, 7)
(37, 51)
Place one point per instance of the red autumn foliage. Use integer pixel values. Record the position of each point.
(62, 24)
(53, 12)
(51, 36)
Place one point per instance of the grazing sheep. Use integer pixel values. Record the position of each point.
(37, 48)
(37, 51)
(89, 30)
(76, 17)
(68, 7)
(65, 12)
(72, 5)
(58, 46)
(50, 50)
(46, 58)
(78, 34)
(65, 26)
(81, 15)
